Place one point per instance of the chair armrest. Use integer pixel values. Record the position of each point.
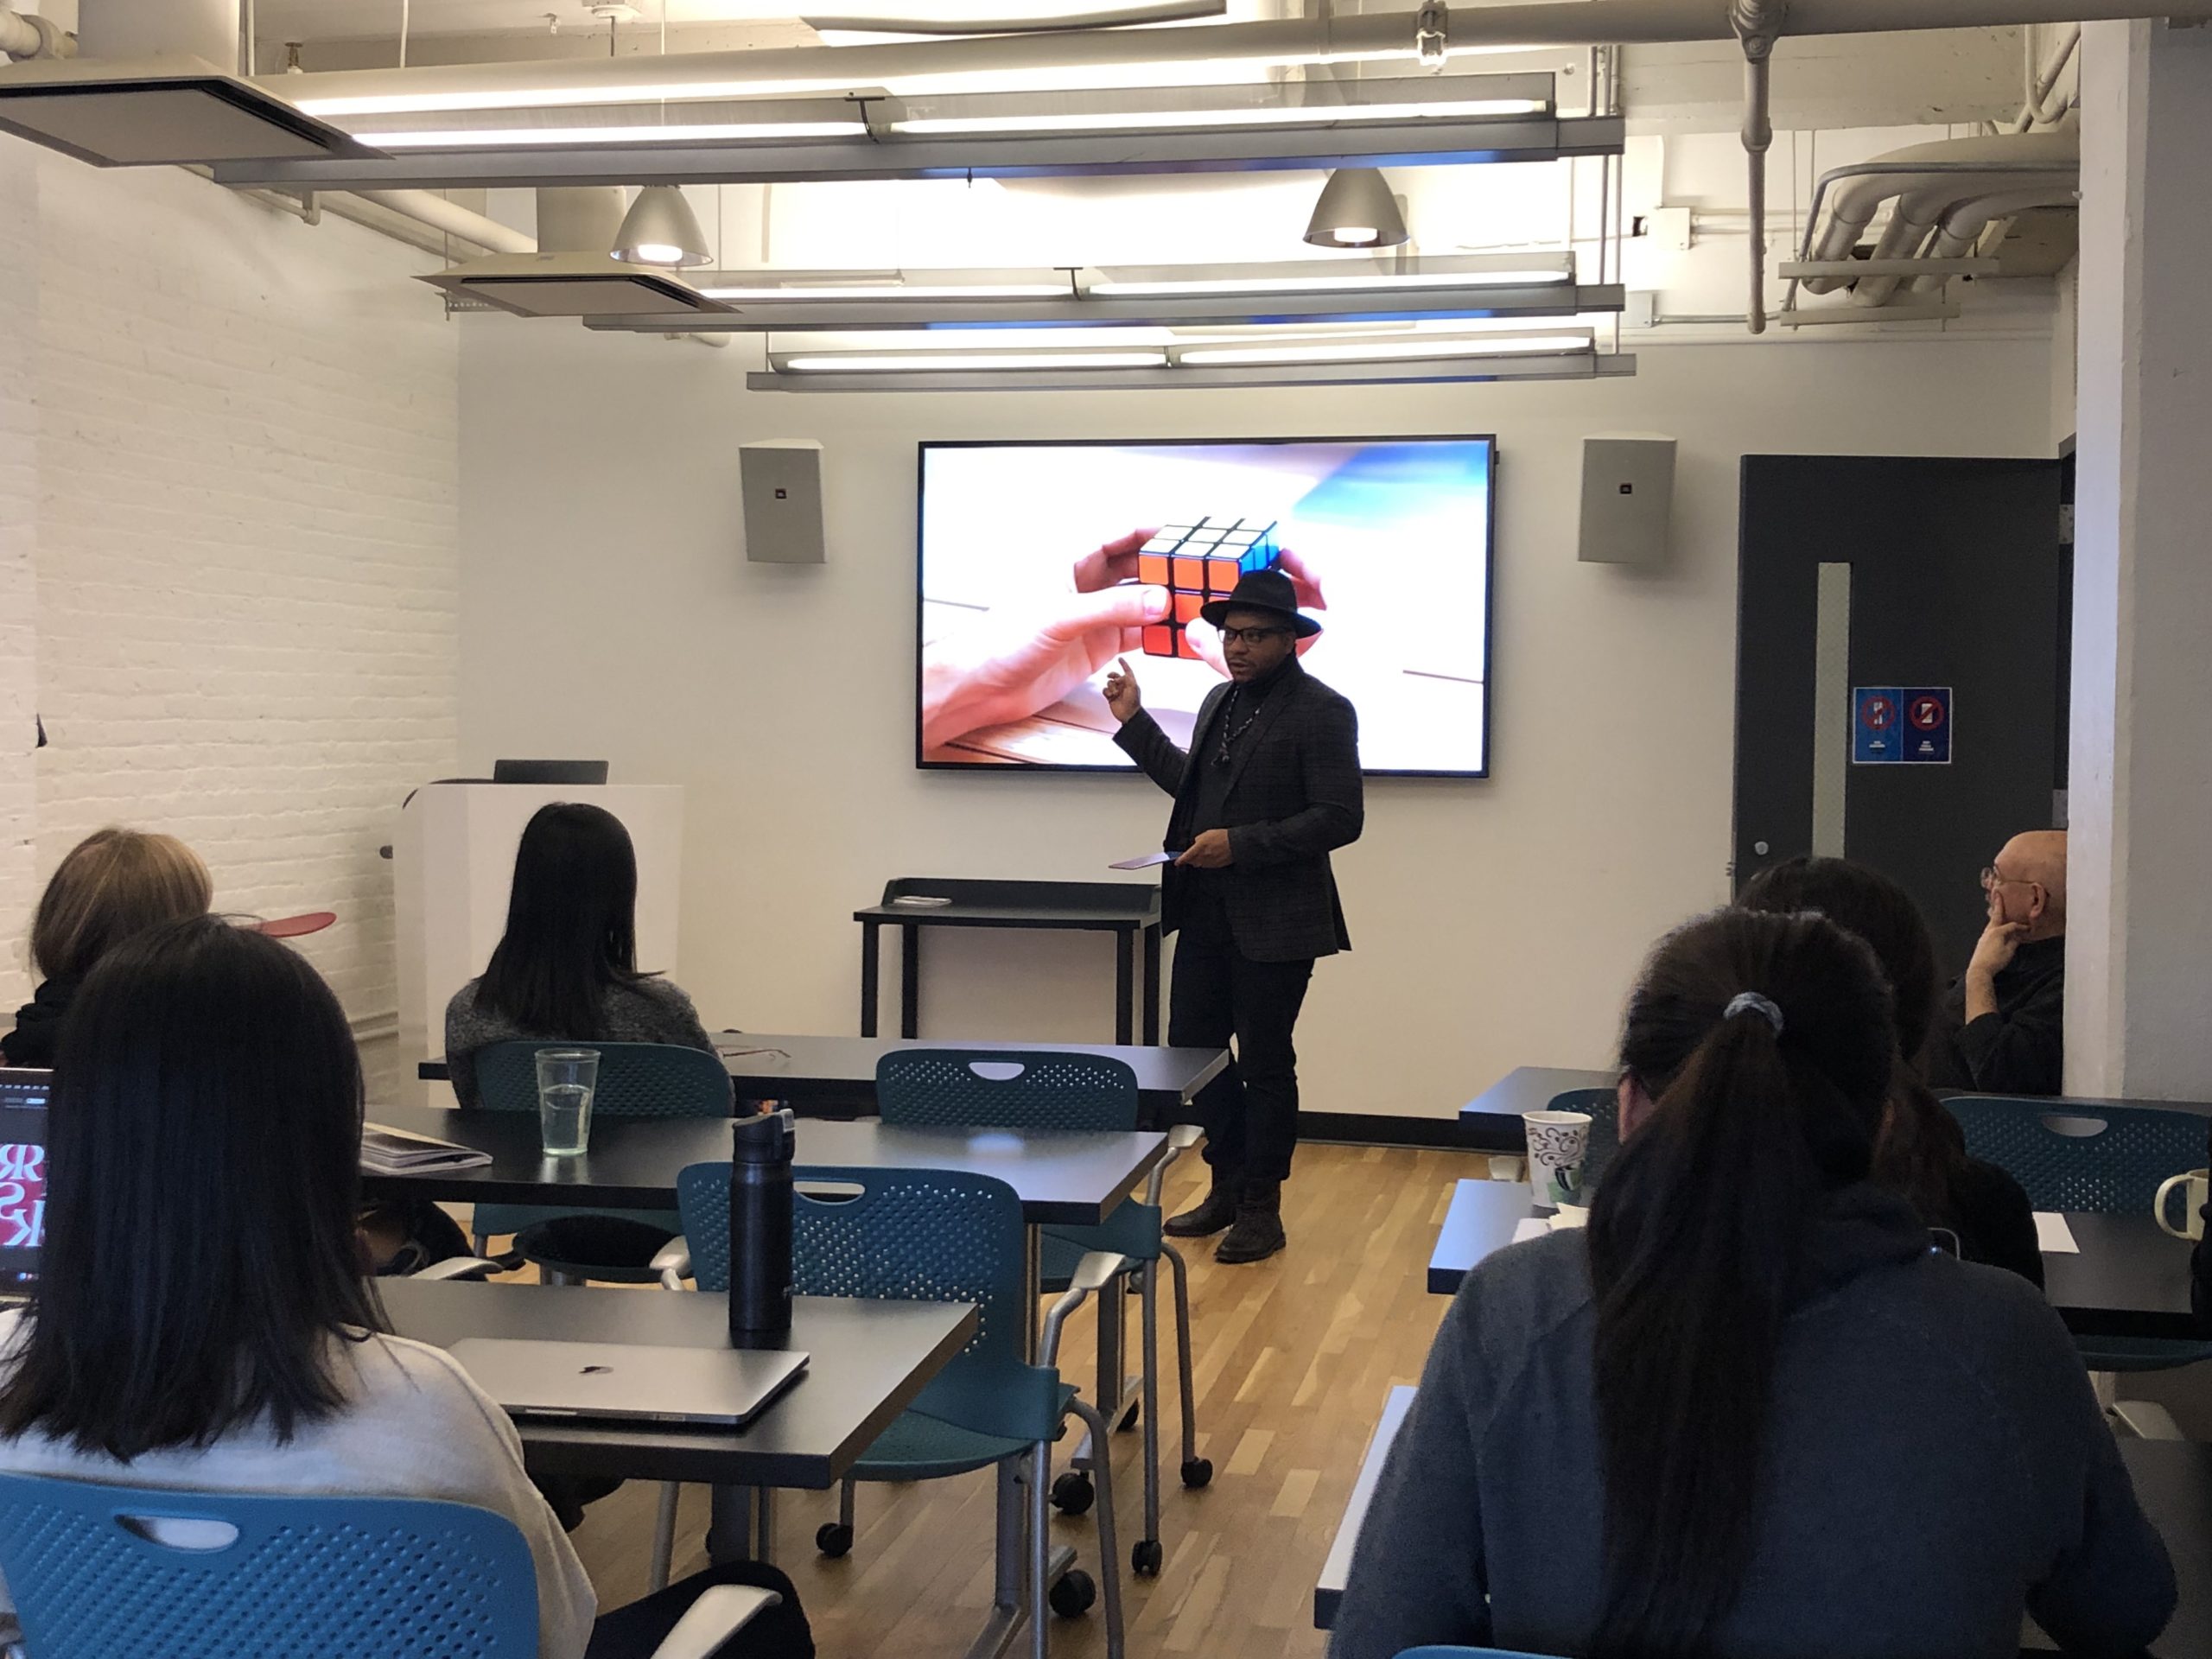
(720, 1613)
(1095, 1272)
(673, 1263)
(460, 1266)
(1181, 1137)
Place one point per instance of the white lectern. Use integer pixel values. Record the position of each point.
(453, 861)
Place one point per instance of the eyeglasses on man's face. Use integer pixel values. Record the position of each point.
(1992, 877)
(1251, 636)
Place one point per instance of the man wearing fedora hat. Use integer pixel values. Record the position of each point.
(1270, 787)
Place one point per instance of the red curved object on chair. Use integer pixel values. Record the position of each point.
(291, 927)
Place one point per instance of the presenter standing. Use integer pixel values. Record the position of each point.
(1270, 785)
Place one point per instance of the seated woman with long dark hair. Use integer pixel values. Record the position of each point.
(1921, 1151)
(566, 970)
(200, 1318)
(1749, 1413)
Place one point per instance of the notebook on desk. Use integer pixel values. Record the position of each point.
(615, 1383)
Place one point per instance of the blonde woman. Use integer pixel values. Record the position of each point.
(114, 883)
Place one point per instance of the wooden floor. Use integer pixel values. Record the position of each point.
(1295, 1356)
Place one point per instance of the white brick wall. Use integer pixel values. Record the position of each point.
(18, 588)
(246, 545)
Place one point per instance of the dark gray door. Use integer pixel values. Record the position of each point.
(1874, 571)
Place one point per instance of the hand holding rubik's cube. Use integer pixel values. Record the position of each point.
(1199, 564)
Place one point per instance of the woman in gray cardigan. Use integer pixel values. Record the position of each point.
(1748, 1413)
(566, 970)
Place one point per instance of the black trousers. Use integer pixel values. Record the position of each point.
(633, 1632)
(1250, 1112)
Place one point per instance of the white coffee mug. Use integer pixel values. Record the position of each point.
(1558, 1143)
(2197, 1181)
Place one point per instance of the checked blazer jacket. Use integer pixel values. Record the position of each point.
(1294, 795)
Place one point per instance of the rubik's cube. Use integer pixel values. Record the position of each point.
(1199, 564)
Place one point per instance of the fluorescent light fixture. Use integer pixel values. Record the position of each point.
(718, 132)
(1385, 351)
(832, 292)
(1324, 279)
(919, 362)
(160, 111)
(571, 285)
(1289, 116)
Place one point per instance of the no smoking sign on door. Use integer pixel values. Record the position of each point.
(1901, 725)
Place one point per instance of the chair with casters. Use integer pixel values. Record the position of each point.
(573, 1247)
(939, 1235)
(96, 1570)
(1603, 1107)
(1049, 1090)
(2095, 1160)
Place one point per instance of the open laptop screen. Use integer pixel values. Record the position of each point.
(22, 1173)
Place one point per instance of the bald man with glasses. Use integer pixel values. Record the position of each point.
(2004, 1024)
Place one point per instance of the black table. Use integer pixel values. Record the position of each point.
(2128, 1280)
(841, 1070)
(1065, 1178)
(1128, 910)
(2173, 1481)
(1492, 1119)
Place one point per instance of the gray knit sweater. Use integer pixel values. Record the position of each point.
(1936, 1466)
(650, 1010)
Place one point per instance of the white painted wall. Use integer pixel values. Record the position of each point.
(607, 610)
(244, 542)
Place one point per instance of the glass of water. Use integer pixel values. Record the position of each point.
(566, 1079)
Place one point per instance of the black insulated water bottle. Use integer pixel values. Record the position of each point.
(761, 1230)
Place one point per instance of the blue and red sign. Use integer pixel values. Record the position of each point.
(1907, 725)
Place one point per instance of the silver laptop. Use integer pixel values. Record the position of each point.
(614, 1382)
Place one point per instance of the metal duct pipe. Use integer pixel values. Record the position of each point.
(24, 36)
(1961, 230)
(1920, 210)
(161, 29)
(1029, 59)
(1861, 190)
(437, 212)
(1757, 24)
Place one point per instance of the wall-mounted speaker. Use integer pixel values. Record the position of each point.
(781, 482)
(1628, 497)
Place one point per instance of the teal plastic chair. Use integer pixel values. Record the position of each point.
(635, 1080)
(942, 1235)
(1047, 1090)
(2095, 1161)
(98, 1570)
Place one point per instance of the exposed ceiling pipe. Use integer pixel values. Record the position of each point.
(1031, 60)
(1989, 163)
(437, 212)
(1964, 227)
(2039, 110)
(1919, 213)
(24, 35)
(1757, 24)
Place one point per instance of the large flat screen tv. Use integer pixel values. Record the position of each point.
(1043, 562)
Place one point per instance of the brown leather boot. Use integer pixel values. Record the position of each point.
(1211, 1213)
(1258, 1233)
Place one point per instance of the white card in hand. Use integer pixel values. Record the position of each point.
(2053, 1236)
(1142, 862)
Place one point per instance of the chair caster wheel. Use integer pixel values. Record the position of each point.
(1145, 1558)
(1135, 1416)
(1197, 1472)
(1073, 1596)
(1072, 1493)
(834, 1539)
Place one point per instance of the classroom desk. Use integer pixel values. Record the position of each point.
(1128, 910)
(868, 1361)
(1492, 1119)
(2128, 1280)
(841, 1070)
(1065, 1179)
(2173, 1482)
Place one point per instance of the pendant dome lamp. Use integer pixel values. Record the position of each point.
(1356, 210)
(660, 229)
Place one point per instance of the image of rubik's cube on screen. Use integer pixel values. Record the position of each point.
(1199, 563)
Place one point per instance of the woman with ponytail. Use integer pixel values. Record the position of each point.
(1750, 1413)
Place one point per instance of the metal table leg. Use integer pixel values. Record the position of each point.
(910, 980)
(1124, 984)
(871, 974)
(1152, 986)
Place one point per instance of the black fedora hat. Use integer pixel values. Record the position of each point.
(1263, 590)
